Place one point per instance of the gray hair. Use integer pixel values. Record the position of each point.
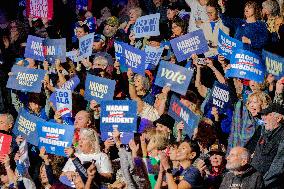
(272, 6)
(10, 119)
(137, 10)
(145, 82)
(101, 59)
(93, 137)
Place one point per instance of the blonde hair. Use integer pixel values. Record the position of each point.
(160, 138)
(137, 10)
(93, 138)
(262, 97)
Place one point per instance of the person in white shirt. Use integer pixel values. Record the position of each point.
(198, 13)
(88, 151)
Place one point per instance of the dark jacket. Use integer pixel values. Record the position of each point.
(268, 157)
(250, 179)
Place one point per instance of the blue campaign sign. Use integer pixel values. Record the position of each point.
(147, 26)
(54, 49)
(71, 84)
(181, 113)
(64, 102)
(73, 56)
(34, 48)
(86, 45)
(274, 64)
(191, 43)
(227, 45)
(220, 96)
(98, 88)
(125, 137)
(26, 126)
(153, 56)
(121, 114)
(118, 50)
(133, 58)
(177, 77)
(246, 65)
(26, 79)
(55, 137)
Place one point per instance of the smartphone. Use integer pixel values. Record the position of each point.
(201, 61)
(93, 161)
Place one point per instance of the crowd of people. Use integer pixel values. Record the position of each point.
(239, 148)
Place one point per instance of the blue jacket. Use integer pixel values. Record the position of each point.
(257, 32)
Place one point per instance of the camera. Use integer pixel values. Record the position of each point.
(201, 61)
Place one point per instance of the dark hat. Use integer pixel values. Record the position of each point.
(158, 38)
(217, 148)
(274, 107)
(99, 37)
(165, 120)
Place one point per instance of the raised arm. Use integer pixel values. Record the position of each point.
(216, 72)
(200, 88)
(132, 91)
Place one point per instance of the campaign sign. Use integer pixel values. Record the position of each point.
(26, 126)
(119, 114)
(34, 48)
(26, 79)
(133, 58)
(153, 56)
(54, 49)
(98, 88)
(118, 50)
(40, 9)
(5, 142)
(55, 137)
(191, 43)
(177, 77)
(181, 113)
(64, 102)
(71, 84)
(147, 26)
(220, 96)
(73, 56)
(125, 137)
(246, 65)
(86, 45)
(227, 45)
(274, 64)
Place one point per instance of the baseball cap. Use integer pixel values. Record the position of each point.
(99, 37)
(274, 107)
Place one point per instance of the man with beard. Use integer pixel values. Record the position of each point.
(241, 174)
(268, 156)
